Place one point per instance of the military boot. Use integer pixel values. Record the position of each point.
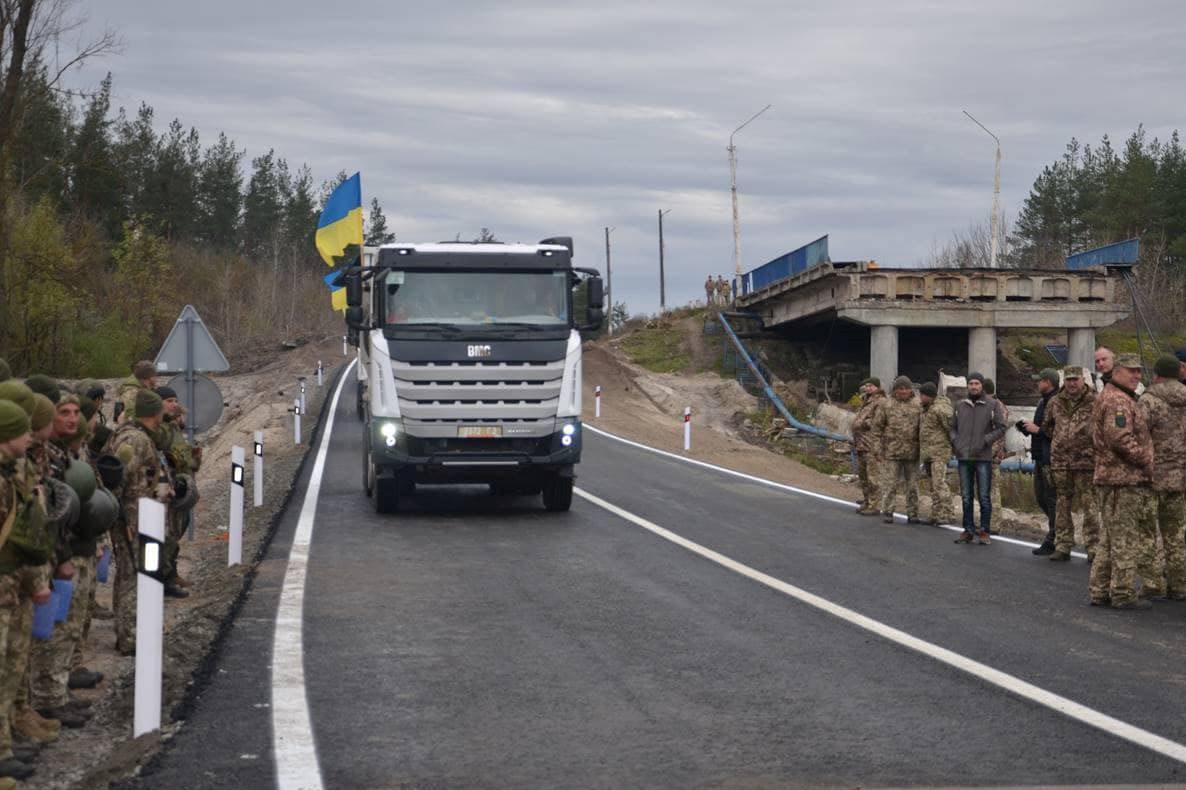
(13, 769)
(29, 725)
(72, 718)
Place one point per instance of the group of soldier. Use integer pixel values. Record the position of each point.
(70, 481)
(718, 292)
(1105, 448)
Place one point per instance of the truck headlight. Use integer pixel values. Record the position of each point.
(568, 430)
(389, 430)
(566, 440)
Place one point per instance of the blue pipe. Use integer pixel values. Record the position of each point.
(770, 394)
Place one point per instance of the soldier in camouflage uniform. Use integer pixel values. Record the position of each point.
(144, 476)
(1164, 406)
(867, 442)
(1123, 473)
(934, 443)
(183, 459)
(1068, 423)
(143, 378)
(898, 425)
(22, 513)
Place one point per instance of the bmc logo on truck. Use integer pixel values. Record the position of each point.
(478, 352)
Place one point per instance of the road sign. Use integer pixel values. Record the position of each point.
(205, 408)
(190, 346)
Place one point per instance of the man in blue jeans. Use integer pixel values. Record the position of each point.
(979, 421)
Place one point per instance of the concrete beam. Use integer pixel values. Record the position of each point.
(883, 354)
(982, 351)
(998, 315)
(1081, 348)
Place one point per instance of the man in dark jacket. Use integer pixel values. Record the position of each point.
(976, 426)
(1044, 490)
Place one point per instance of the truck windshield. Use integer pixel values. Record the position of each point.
(466, 298)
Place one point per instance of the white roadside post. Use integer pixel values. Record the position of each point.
(296, 417)
(343, 345)
(319, 379)
(235, 544)
(687, 428)
(301, 381)
(597, 401)
(150, 618)
(258, 474)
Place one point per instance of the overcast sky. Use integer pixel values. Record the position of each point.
(554, 118)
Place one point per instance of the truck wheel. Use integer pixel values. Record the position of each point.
(558, 494)
(386, 494)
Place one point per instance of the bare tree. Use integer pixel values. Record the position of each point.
(971, 248)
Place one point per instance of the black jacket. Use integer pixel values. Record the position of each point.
(1040, 442)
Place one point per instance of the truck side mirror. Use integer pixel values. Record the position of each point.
(354, 291)
(593, 318)
(596, 294)
(354, 318)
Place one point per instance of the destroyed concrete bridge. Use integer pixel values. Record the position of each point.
(981, 301)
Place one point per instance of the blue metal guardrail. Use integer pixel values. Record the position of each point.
(755, 374)
(1122, 253)
(784, 266)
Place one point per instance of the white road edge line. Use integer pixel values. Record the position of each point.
(1003, 680)
(785, 487)
(297, 767)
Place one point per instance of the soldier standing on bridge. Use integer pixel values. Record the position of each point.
(1072, 463)
(1123, 474)
(934, 442)
(867, 442)
(1164, 405)
(898, 424)
(710, 289)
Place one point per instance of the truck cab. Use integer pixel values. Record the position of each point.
(470, 366)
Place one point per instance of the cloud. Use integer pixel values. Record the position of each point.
(541, 118)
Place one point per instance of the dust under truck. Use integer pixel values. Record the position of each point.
(469, 365)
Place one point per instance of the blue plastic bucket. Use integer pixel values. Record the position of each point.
(43, 619)
(63, 592)
(104, 565)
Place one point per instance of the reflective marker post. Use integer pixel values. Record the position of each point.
(258, 476)
(296, 415)
(301, 381)
(343, 345)
(597, 401)
(235, 544)
(150, 617)
(319, 369)
(687, 428)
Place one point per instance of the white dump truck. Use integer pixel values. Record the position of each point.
(469, 365)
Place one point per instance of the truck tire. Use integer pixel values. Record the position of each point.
(386, 494)
(368, 470)
(359, 402)
(558, 494)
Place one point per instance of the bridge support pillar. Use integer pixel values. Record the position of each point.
(1081, 348)
(982, 351)
(883, 354)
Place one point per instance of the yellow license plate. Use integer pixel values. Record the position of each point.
(479, 431)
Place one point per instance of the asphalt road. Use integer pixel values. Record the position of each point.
(478, 641)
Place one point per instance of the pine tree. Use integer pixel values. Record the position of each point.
(172, 185)
(40, 147)
(376, 232)
(219, 195)
(96, 187)
(263, 208)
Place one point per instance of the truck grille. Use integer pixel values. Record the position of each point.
(478, 392)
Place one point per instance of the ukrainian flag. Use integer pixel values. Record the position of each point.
(340, 226)
(337, 294)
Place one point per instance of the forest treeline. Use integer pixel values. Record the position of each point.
(112, 226)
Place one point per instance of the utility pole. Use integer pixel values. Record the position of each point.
(996, 196)
(609, 283)
(733, 188)
(662, 282)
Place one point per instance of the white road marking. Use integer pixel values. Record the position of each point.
(1003, 680)
(785, 487)
(295, 752)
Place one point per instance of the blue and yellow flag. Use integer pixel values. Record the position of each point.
(340, 226)
(337, 294)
